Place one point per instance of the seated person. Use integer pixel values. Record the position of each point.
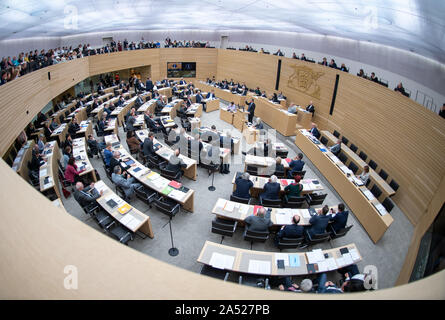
(126, 182)
(310, 108)
(336, 148)
(86, 196)
(259, 223)
(36, 159)
(133, 142)
(292, 108)
(286, 284)
(319, 222)
(401, 89)
(263, 94)
(364, 176)
(243, 186)
(67, 154)
(257, 91)
(314, 131)
(339, 218)
(278, 165)
(231, 107)
(275, 98)
(258, 124)
(115, 161)
(94, 145)
(108, 154)
(294, 189)
(296, 165)
(292, 231)
(332, 64)
(147, 146)
(343, 68)
(153, 124)
(211, 95)
(175, 164)
(71, 171)
(271, 190)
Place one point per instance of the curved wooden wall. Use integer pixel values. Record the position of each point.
(407, 140)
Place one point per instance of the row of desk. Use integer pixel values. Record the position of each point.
(368, 210)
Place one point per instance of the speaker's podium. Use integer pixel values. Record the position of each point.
(239, 120)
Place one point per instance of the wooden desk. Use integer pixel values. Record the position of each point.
(279, 119)
(81, 156)
(50, 170)
(211, 104)
(20, 164)
(240, 260)
(86, 128)
(195, 124)
(309, 185)
(111, 126)
(225, 115)
(265, 165)
(149, 105)
(167, 122)
(165, 92)
(387, 191)
(304, 119)
(195, 110)
(134, 219)
(152, 179)
(236, 211)
(60, 133)
(239, 120)
(166, 152)
(372, 221)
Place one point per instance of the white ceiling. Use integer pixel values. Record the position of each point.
(415, 25)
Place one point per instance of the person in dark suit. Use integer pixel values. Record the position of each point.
(147, 147)
(211, 95)
(314, 131)
(401, 89)
(175, 164)
(340, 218)
(310, 108)
(259, 223)
(73, 127)
(324, 62)
(442, 111)
(40, 119)
(243, 186)
(332, 64)
(251, 110)
(149, 85)
(271, 189)
(48, 131)
(182, 81)
(115, 161)
(138, 102)
(131, 120)
(319, 222)
(258, 124)
(373, 77)
(189, 101)
(152, 124)
(86, 196)
(292, 231)
(297, 164)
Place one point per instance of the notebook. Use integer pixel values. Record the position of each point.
(129, 162)
(344, 250)
(111, 203)
(123, 209)
(255, 209)
(312, 268)
(280, 264)
(284, 182)
(175, 184)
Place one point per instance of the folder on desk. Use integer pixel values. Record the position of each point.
(312, 268)
(175, 184)
(284, 182)
(123, 209)
(111, 203)
(294, 260)
(167, 190)
(255, 209)
(280, 264)
(151, 175)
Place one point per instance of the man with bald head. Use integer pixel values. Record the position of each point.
(292, 231)
(259, 223)
(175, 164)
(86, 196)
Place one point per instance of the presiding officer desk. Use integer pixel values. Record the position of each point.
(152, 179)
(265, 263)
(127, 215)
(226, 95)
(374, 221)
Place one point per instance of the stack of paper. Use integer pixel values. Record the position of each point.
(176, 194)
(221, 261)
(315, 256)
(331, 264)
(229, 206)
(221, 203)
(43, 172)
(306, 214)
(369, 195)
(381, 209)
(347, 258)
(354, 254)
(284, 216)
(100, 186)
(259, 267)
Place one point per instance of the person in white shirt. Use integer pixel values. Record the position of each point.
(364, 177)
(231, 107)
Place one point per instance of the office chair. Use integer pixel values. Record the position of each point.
(224, 227)
(363, 156)
(294, 202)
(254, 236)
(324, 140)
(383, 174)
(290, 243)
(336, 134)
(353, 167)
(238, 199)
(315, 199)
(270, 203)
(388, 204)
(344, 140)
(372, 164)
(375, 190)
(342, 157)
(316, 238)
(353, 147)
(394, 185)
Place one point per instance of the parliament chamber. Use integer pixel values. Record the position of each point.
(405, 139)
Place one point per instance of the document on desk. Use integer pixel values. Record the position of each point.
(178, 195)
(221, 261)
(284, 217)
(354, 254)
(322, 266)
(220, 203)
(229, 206)
(340, 262)
(331, 264)
(49, 184)
(294, 260)
(43, 172)
(380, 208)
(282, 256)
(315, 256)
(243, 209)
(259, 267)
(100, 186)
(368, 194)
(348, 258)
